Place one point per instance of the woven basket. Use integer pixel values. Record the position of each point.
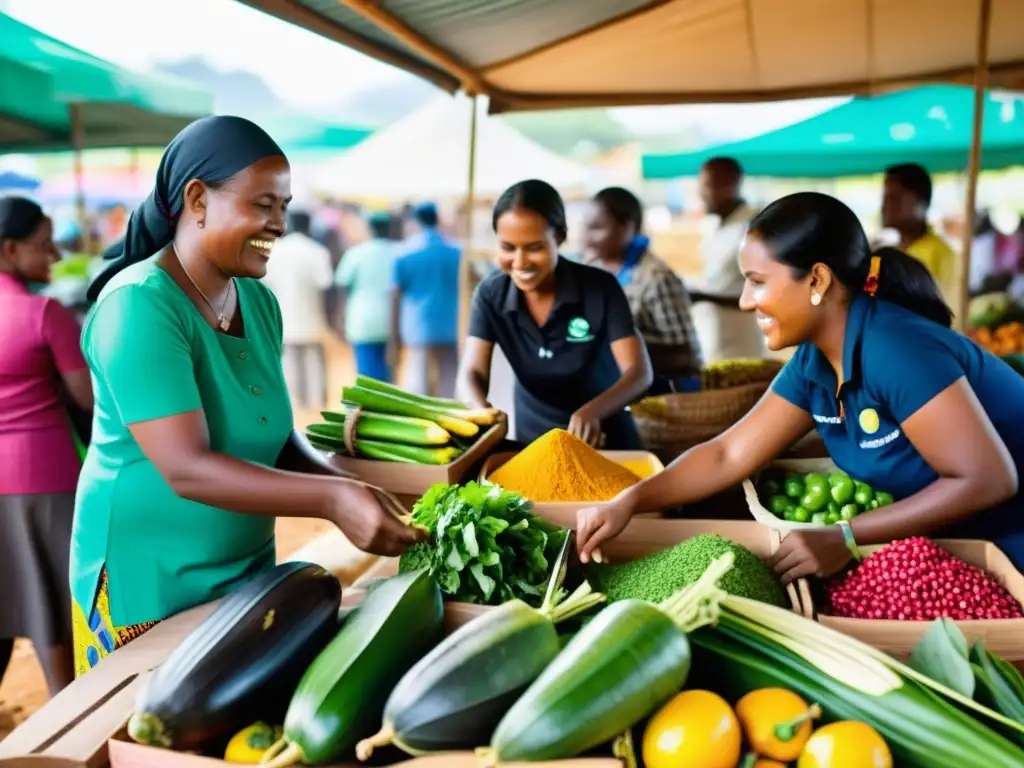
(671, 424)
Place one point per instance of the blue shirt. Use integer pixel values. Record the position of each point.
(895, 362)
(427, 276)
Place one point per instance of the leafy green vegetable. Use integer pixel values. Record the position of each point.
(486, 544)
(1000, 686)
(942, 655)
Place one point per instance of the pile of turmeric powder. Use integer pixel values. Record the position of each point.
(560, 467)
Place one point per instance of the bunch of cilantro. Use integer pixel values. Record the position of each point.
(486, 545)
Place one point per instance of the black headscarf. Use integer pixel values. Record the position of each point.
(212, 150)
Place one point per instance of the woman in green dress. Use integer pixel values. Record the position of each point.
(194, 454)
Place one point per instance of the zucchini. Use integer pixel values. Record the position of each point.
(382, 402)
(622, 666)
(325, 438)
(455, 696)
(241, 662)
(926, 725)
(341, 697)
(390, 429)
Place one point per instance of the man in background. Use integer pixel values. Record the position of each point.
(364, 278)
(906, 196)
(299, 274)
(724, 330)
(425, 307)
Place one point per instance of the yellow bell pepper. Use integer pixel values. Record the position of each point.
(846, 744)
(248, 746)
(777, 722)
(696, 729)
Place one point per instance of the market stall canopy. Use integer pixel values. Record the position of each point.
(425, 155)
(541, 54)
(314, 135)
(11, 181)
(930, 126)
(41, 79)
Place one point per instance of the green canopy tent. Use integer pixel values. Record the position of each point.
(54, 96)
(930, 125)
(313, 136)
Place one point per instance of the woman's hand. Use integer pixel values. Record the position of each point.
(810, 553)
(596, 525)
(369, 518)
(585, 425)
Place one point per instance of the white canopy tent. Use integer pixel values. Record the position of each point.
(424, 155)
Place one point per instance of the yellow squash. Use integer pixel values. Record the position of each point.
(696, 729)
(776, 722)
(846, 744)
(248, 746)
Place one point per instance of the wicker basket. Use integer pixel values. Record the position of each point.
(671, 424)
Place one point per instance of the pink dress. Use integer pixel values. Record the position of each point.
(39, 340)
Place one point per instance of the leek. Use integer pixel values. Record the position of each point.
(381, 451)
(381, 402)
(482, 416)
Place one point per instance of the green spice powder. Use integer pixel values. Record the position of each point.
(657, 576)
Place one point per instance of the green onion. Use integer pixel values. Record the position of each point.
(379, 402)
(392, 429)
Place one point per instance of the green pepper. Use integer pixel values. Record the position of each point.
(789, 514)
(801, 515)
(838, 474)
(842, 488)
(848, 512)
(794, 487)
(833, 507)
(832, 518)
(873, 504)
(883, 498)
(772, 487)
(818, 518)
(816, 499)
(778, 505)
(816, 480)
(863, 493)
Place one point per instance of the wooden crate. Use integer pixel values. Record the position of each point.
(1004, 637)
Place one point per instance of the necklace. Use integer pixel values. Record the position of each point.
(222, 320)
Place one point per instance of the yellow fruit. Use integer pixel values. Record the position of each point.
(763, 763)
(696, 729)
(769, 716)
(248, 746)
(846, 744)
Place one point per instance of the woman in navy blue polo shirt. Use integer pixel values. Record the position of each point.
(565, 328)
(901, 401)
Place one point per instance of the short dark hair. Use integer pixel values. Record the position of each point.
(809, 228)
(426, 214)
(622, 205)
(380, 225)
(537, 196)
(19, 218)
(914, 178)
(728, 166)
(299, 221)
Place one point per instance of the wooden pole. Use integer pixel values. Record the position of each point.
(78, 147)
(466, 261)
(963, 272)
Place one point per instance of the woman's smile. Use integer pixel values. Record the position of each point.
(262, 246)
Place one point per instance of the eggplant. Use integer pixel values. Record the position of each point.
(243, 662)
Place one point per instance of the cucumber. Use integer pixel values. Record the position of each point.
(341, 697)
(622, 666)
(456, 695)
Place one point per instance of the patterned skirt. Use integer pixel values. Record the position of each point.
(97, 637)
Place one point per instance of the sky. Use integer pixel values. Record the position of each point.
(302, 68)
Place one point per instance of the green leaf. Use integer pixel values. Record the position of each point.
(486, 583)
(942, 655)
(455, 560)
(994, 690)
(449, 581)
(469, 539)
(490, 558)
(493, 525)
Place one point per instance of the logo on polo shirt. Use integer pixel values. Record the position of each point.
(868, 420)
(579, 330)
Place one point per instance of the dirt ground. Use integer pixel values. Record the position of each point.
(23, 689)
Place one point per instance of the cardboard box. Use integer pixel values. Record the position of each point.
(1004, 637)
(413, 480)
(564, 512)
(125, 754)
(641, 537)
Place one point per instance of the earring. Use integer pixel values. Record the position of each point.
(201, 223)
(815, 299)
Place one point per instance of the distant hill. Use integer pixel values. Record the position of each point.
(234, 93)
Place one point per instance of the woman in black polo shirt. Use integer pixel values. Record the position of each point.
(565, 328)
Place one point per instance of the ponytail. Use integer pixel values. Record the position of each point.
(905, 281)
(809, 228)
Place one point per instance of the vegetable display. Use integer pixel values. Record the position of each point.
(659, 575)
(696, 729)
(486, 545)
(340, 698)
(456, 695)
(267, 632)
(386, 423)
(618, 669)
(916, 580)
(816, 497)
